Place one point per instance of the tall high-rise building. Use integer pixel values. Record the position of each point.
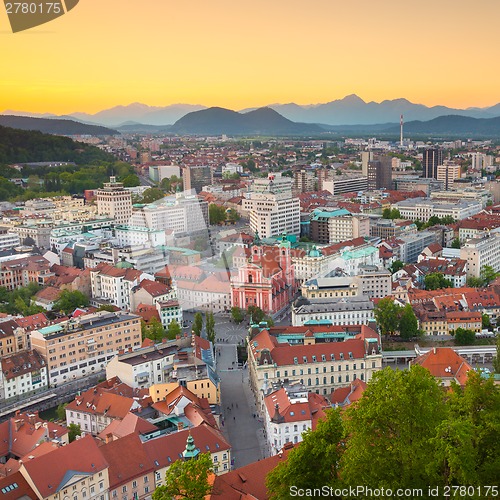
(272, 208)
(366, 157)
(303, 181)
(380, 173)
(447, 174)
(432, 158)
(115, 201)
(196, 176)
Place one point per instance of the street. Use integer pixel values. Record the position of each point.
(241, 424)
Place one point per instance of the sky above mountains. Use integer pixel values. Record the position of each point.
(247, 54)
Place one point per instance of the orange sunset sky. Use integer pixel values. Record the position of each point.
(239, 53)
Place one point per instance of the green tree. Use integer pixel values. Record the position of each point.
(131, 180)
(173, 330)
(386, 213)
(236, 314)
(390, 430)
(153, 330)
(256, 313)
(232, 215)
(186, 479)
(73, 431)
(466, 445)
(455, 243)
(488, 274)
(396, 266)
(68, 301)
(387, 314)
(395, 214)
(107, 307)
(152, 194)
(61, 411)
(408, 323)
(216, 214)
(315, 462)
(485, 321)
(436, 281)
(496, 359)
(210, 322)
(269, 320)
(464, 336)
(198, 323)
(475, 282)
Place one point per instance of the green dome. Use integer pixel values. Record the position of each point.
(314, 252)
(123, 264)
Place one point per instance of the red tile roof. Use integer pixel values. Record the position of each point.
(127, 460)
(33, 322)
(51, 472)
(248, 482)
(444, 363)
(15, 487)
(154, 288)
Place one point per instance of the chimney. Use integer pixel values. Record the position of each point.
(434, 349)
(32, 418)
(109, 438)
(180, 426)
(18, 423)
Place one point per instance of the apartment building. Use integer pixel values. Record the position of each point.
(337, 225)
(339, 184)
(289, 411)
(13, 338)
(75, 348)
(480, 252)
(196, 176)
(114, 201)
(374, 281)
(8, 239)
(320, 366)
(272, 208)
(78, 470)
(448, 173)
(114, 285)
(20, 272)
(22, 373)
(303, 181)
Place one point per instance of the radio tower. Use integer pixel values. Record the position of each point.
(401, 135)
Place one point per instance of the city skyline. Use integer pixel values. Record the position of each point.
(104, 54)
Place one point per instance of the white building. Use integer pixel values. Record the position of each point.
(480, 252)
(8, 240)
(115, 201)
(22, 374)
(424, 208)
(289, 412)
(273, 211)
(137, 236)
(114, 284)
(143, 367)
(182, 213)
(357, 310)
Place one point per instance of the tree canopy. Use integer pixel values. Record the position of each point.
(408, 323)
(387, 314)
(436, 281)
(68, 301)
(186, 479)
(404, 432)
(198, 323)
(464, 336)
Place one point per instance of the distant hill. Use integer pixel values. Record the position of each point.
(452, 126)
(22, 146)
(262, 121)
(54, 126)
(130, 127)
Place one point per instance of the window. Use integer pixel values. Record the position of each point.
(134, 484)
(124, 489)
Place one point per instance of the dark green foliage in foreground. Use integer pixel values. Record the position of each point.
(405, 432)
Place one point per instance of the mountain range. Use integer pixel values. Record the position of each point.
(351, 110)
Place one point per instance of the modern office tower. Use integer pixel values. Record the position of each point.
(432, 158)
(366, 157)
(272, 208)
(115, 201)
(380, 173)
(196, 176)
